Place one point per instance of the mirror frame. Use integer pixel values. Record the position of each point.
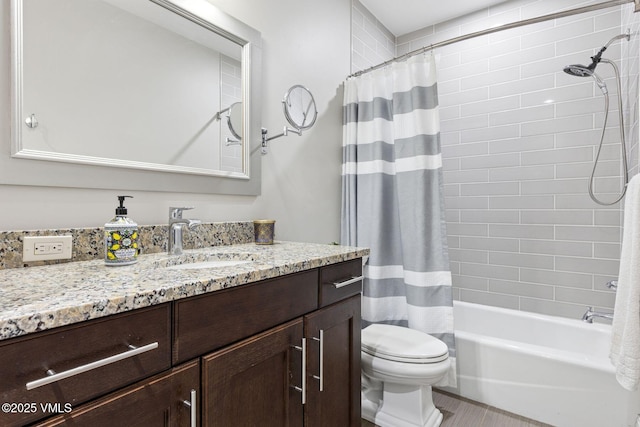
(31, 167)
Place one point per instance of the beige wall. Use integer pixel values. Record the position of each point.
(304, 43)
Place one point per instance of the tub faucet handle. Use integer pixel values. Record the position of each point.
(612, 284)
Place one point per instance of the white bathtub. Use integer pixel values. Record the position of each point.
(546, 368)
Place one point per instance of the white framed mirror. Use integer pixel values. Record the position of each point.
(133, 86)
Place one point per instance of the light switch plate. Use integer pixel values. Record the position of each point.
(42, 248)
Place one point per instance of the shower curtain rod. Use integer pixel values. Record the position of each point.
(509, 26)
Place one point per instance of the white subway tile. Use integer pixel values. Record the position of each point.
(462, 97)
(489, 189)
(521, 202)
(517, 87)
(465, 202)
(490, 134)
(522, 57)
(490, 106)
(556, 247)
(586, 297)
(610, 217)
(580, 201)
(557, 217)
(489, 217)
(529, 143)
(522, 173)
(551, 35)
(578, 170)
(467, 229)
(522, 289)
(567, 93)
(521, 115)
(490, 244)
(488, 271)
(465, 123)
(521, 231)
(560, 278)
(463, 150)
(470, 282)
(463, 255)
(588, 234)
(561, 155)
(556, 186)
(565, 124)
(490, 298)
(607, 250)
(476, 175)
(521, 260)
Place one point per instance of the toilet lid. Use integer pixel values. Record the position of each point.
(402, 344)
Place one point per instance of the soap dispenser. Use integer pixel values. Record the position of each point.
(121, 238)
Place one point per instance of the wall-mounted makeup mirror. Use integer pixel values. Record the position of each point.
(300, 111)
(135, 84)
(300, 107)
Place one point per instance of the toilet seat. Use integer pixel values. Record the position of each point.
(400, 344)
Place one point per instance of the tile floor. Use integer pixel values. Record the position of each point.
(461, 412)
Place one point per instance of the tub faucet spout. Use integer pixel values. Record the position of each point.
(176, 224)
(590, 314)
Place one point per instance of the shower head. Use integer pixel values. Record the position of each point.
(579, 70)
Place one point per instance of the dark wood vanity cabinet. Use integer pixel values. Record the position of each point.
(244, 356)
(333, 365)
(259, 381)
(252, 383)
(142, 338)
(162, 400)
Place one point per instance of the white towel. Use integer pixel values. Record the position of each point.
(625, 339)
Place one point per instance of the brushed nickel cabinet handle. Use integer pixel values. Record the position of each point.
(320, 377)
(347, 282)
(192, 405)
(57, 376)
(303, 389)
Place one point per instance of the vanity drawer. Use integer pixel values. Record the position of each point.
(340, 281)
(206, 323)
(98, 356)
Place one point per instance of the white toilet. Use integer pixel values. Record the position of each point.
(399, 366)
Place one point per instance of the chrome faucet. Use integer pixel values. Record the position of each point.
(590, 314)
(176, 224)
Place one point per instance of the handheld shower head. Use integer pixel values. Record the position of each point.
(586, 71)
(579, 70)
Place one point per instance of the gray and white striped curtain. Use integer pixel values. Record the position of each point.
(392, 198)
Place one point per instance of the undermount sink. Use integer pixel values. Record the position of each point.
(207, 264)
(200, 260)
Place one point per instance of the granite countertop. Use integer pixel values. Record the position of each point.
(38, 298)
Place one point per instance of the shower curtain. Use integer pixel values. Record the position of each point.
(392, 198)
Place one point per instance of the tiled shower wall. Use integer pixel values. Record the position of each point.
(371, 42)
(519, 139)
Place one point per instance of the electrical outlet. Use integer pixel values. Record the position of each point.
(42, 248)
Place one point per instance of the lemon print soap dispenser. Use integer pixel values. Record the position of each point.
(121, 238)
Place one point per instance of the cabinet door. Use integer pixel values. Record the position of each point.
(251, 383)
(82, 350)
(333, 365)
(158, 401)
